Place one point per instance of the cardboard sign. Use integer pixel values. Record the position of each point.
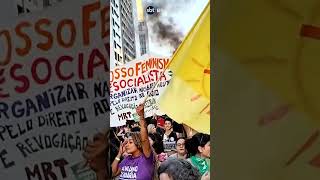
(131, 83)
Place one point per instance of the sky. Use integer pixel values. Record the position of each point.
(183, 13)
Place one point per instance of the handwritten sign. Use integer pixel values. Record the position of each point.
(54, 89)
(131, 83)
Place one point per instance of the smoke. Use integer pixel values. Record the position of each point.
(164, 31)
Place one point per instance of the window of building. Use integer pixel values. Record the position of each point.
(115, 23)
(116, 56)
(118, 46)
(115, 44)
(114, 12)
(117, 35)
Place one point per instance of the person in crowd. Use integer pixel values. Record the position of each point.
(140, 163)
(178, 128)
(160, 121)
(135, 124)
(169, 134)
(156, 143)
(135, 129)
(151, 129)
(97, 156)
(199, 149)
(156, 138)
(123, 130)
(169, 137)
(178, 169)
(181, 150)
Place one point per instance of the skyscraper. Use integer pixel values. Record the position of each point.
(142, 29)
(116, 54)
(127, 30)
(122, 39)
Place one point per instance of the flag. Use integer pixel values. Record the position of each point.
(187, 98)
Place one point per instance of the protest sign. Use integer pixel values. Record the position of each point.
(53, 90)
(132, 83)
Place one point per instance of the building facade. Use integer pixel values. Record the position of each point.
(122, 38)
(127, 30)
(142, 29)
(116, 50)
(143, 38)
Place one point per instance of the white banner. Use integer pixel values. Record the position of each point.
(53, 90)
(131, 83)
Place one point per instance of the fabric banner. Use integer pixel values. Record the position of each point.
(53, 90)
(187, 99)
(132, 83)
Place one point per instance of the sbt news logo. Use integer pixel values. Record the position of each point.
(152, 10)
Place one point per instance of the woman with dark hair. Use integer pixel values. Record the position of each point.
(178, 169)
(181, 149)
(141, 161)
(156, 143)
(198, 148)
(169, 137)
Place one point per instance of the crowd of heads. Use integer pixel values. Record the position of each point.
(177, 156)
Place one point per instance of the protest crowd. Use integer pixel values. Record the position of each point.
(143, 145)
(153, 148)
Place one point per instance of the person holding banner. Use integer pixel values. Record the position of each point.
(140, 163)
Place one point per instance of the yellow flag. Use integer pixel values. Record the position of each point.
(187, 98)
(181, 103)
(191, 62)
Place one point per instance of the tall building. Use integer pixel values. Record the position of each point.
(142, 29)
(116, 51)
(122, 39)
(127, 30)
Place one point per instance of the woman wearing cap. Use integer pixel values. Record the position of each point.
(141, 161)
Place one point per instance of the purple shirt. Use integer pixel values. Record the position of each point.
(137, 168)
